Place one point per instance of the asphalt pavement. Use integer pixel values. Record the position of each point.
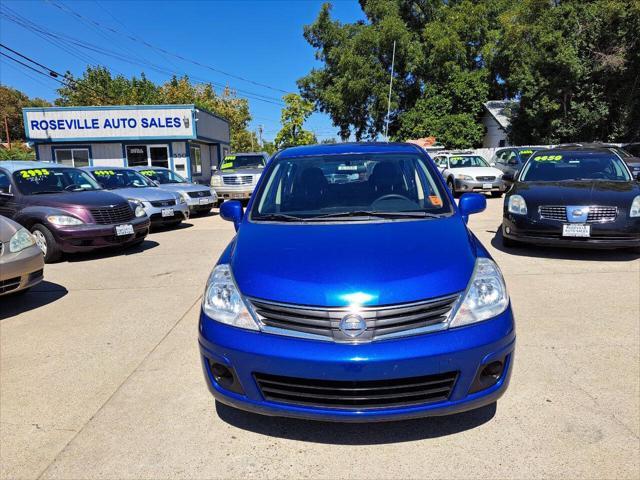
(100, 377)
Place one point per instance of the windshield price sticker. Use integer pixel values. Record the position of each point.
(147, 173)
(526, 151)
(104, 173)
(230, 157)
(548, 158)
(435, 200)
(226, 165)
(34, 173)
(456, 158)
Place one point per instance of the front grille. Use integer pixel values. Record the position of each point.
(597, 214)
(602, 214)
(553, 213)
(381, 322)
(110, 215)
(164, 203)
(237, 179)
(357, 395)
(9, 284)
(485, 179)
(199, 194)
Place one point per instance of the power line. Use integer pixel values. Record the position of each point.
(154, 47)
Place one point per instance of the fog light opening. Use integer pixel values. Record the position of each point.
(225, 377)
(488, 375)
(493, 370)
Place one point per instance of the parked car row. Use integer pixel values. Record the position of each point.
(69, 210)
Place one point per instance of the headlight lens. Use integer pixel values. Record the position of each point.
(138, 207)
(64, 220)
(517, 205)
(486, 295)
(183, 197)
(20, 240)
(223, 302)
(216, 181)
(635, 207)
(461, 176)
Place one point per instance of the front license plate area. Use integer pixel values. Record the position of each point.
(576, 230)
(237, 195)
(487, 186)
(205, 201)
(124, 230)
(167, 212)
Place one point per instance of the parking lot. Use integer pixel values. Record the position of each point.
(100, 377)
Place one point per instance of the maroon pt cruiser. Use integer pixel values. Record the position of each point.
(66, 210)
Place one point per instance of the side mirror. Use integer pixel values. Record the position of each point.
(231, 211)
(471, 203)
(508, 177)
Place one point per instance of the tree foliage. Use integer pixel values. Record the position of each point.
(98, 87)
(574, 65)
(294, 114)
(12, 102)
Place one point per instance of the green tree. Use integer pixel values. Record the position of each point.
(575, 66)
(294, 114)
(12, 102)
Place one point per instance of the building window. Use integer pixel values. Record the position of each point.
(72, 157)
(196, 159)
(148, 156)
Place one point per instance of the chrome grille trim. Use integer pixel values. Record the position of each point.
(200, 194)
(111, 215)
(237, 179)
(597, 213)
(164, 203)
(485, 178)
(384, 322)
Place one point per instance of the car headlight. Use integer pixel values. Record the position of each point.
(223, 302)
(64, 220)
(20, 240)
(461, 176)
(486, 295)
(216, 181)
(517, 205)
(635, 207)
(184, 198)
(138, 207)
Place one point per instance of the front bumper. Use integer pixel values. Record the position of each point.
(239, 192)
(20, 270)
(623, 233)
(87, 237)
(201, 204)
(479, 186)
(180, 213)
(465, 350)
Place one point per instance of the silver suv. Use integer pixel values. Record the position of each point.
(238, 175)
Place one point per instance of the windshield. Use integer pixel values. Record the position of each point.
(467, 161)
(35, 181)
(352, 186)
(232, 162)
(525, 154)
(163, 176)
(114, 179)
(568, 166)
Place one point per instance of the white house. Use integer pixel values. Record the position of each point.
(496, 119)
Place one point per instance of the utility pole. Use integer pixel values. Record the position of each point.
(393, 61)
(6, 129)
(260, 135)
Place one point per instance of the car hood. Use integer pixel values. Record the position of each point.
(99, 198)
(380, 263)
(150, 194)
(184, 187)
(578, 193)
(478, 171)
(240, 171)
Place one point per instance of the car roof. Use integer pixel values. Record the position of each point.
(149, 168)
(249, 153)
(15, 165)
(574, 149)
(94, 168)
(349, 148)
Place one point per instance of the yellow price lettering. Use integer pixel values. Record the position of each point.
(227, 165)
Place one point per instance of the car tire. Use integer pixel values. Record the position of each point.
(496, 194)
(47, 243)
(452, 187)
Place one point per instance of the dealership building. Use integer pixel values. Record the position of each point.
(184, 138)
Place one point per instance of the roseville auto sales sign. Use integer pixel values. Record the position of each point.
(108, 123)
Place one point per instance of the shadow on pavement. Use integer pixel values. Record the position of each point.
(170, 228)
(355, 433)
(110, 252)
(38, 296)
(567, 253)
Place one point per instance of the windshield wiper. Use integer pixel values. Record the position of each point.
(279, 217)
(377, 213)
(44, 192)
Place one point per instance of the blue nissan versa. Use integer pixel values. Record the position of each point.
(360, 300)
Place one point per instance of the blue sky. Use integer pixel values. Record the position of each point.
(260, 41)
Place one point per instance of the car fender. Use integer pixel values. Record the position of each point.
(32, 214)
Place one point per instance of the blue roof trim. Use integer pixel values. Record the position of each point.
(350, 148)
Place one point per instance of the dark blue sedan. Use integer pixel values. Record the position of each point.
(581, 197)
(359, 300)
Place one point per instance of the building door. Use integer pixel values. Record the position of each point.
(148, 156)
